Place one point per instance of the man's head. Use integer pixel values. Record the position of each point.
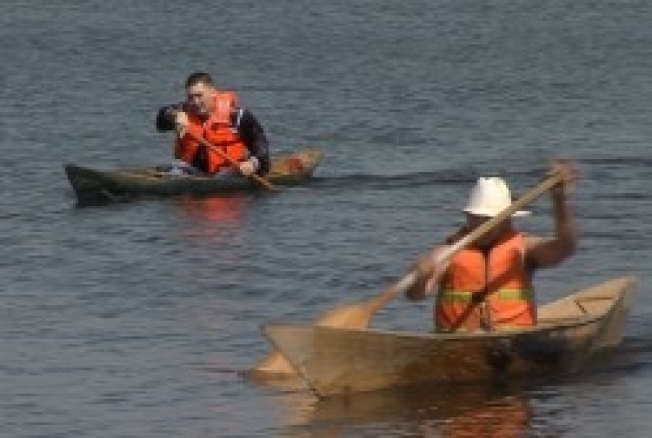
(199, 93)
(489, 197)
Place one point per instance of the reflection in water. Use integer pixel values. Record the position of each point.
(453, 411)
(514, 409)
(213, 219)
(212, 234)
(507, 417)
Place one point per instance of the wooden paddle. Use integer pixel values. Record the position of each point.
(357, 316)
(259, 179)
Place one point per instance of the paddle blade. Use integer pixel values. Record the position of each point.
(351, 316)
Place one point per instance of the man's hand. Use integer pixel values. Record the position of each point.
(424, 265)
(568, 173)
(181, 123)
(430, 268)
(431, 265)
(248, 167)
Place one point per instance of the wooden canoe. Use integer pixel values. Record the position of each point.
(569, 332)
(93, 186)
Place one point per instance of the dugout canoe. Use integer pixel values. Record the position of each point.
(570, 331)
(100, 186)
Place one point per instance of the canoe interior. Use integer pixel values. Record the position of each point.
(594, 303)
(571, 330)
(92, 186)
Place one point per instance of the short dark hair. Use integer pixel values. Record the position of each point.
(199, 77)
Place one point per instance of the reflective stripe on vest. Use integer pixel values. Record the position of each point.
(503, 294)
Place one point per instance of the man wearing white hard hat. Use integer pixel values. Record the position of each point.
(488, 285)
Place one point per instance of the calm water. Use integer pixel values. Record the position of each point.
(133, 320)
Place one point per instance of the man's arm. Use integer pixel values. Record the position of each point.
(253, 136)
(430, 270)
(542, 252)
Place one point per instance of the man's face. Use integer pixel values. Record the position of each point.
(474, 221)
(200, 97)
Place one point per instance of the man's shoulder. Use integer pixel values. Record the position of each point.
(228, 95)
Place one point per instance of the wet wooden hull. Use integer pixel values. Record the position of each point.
(100, 186)
(571, 330)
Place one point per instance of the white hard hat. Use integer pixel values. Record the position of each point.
(489, 197)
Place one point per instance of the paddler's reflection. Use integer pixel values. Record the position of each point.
(508, 417)
(466, 411)
(227, 208)
(212, 219)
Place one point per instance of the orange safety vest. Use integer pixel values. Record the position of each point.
(490, 291)
(218, 131)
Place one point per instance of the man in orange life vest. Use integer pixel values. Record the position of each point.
(488, 285)
(215, 116)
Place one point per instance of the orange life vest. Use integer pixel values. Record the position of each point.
(218, 131)
(489, 291)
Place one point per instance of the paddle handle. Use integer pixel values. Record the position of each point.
(259, 179)
(412, 277)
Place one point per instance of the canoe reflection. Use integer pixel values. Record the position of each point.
(455, 411)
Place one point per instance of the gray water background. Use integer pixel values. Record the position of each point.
(133, 320)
